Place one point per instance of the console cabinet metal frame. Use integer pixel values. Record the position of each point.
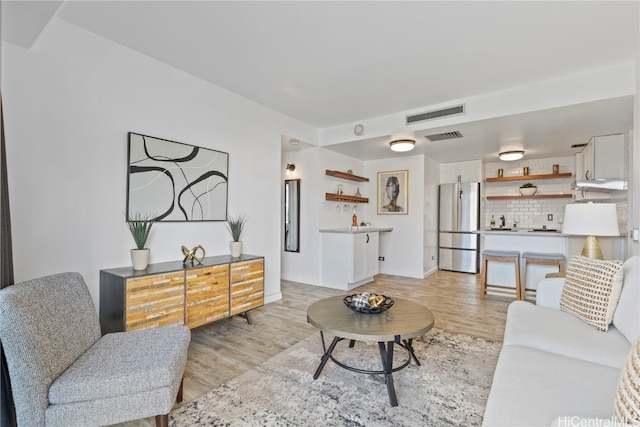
(171, 293)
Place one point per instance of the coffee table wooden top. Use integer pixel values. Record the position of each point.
(406, 319)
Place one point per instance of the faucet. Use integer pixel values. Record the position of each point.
(502, 221)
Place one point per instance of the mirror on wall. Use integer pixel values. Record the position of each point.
(292, 215)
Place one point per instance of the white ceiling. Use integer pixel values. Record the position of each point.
(328, 63)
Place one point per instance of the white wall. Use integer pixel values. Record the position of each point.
(315, 211)
(69, 102)
(431, 179)
(402, 248)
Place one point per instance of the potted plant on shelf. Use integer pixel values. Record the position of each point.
(140, 226)
(528, 189)
(235, 226)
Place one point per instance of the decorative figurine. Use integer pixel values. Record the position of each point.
(191, 255)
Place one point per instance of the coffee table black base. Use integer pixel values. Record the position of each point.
(386, 356)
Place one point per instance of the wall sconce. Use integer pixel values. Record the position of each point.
(401, 145)
(509, 156)
(290, 168)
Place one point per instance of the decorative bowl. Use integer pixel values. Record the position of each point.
(528, 191)
(368, 303)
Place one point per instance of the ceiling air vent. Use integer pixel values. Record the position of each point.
(443, 136)
(436, 114)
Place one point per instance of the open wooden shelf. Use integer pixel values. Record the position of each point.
(529, 177)
(535, 196)
(345, 175)
(332, 197)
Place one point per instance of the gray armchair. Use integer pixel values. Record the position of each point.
(63, 373)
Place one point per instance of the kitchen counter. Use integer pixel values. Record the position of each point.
(524, 232)
(355, 230)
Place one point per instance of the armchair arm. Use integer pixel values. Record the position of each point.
(549, 292)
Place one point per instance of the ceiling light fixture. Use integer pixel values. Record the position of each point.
(401, 145)
(509, 156)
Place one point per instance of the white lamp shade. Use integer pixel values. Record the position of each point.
(591, 219)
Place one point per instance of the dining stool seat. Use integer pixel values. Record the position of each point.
(543, 258)
(489, 255)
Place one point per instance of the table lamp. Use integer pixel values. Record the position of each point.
(591, 219)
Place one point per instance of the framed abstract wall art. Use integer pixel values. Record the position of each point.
(393, 192)
(173, 181)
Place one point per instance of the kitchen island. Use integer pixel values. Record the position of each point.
(349, 256)
(524, 240)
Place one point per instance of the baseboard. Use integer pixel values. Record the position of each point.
(430, 272)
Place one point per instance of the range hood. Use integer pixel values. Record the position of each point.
(601, 185)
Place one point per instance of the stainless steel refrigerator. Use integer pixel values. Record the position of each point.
(458, 233)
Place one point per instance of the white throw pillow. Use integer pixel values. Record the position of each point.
(627, 316)
(627, 405)
(591, 290)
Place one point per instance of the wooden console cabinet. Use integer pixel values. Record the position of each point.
(171, 293)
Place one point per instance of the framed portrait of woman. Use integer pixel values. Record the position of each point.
(393, 192)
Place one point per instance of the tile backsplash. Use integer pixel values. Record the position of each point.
(531, 213)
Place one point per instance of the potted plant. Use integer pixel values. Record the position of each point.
(235, 226)
(528, 189)
(140, 226)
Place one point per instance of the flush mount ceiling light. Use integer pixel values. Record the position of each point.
(401, 145)
(509, 156)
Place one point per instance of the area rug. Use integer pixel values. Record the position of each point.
(450, 388)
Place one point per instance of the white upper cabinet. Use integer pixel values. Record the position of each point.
(470, 171)
(602, 157)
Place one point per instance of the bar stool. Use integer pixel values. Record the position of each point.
(539, 258)
(500, 256)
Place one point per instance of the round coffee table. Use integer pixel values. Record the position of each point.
(401, 323)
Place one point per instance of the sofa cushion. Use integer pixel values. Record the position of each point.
(627, 405)
(558, 332)
(627, 316)
(533, 387)
(591, 290)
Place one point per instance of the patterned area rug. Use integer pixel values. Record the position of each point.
(449, 389)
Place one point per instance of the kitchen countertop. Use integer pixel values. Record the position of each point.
(525, 232)
(355, 230)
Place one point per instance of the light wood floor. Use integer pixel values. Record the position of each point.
(225, 349)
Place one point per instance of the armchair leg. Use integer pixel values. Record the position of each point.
(162, 420)
(179, 396)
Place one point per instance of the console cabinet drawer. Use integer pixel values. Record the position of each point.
(207, 295)
(247, 285)
(154, 301)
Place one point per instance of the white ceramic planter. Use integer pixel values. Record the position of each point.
(528, 191)
(140, 258)
(236, 249)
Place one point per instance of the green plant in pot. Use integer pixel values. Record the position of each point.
(140, 227)
(235, 225)
(528, 189)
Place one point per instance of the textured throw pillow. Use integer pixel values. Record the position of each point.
(591, 290)
(627, 406)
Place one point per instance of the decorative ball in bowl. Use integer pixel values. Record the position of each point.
(528, 190)
(368, 303)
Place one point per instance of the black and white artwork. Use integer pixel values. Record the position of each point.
(172, 181)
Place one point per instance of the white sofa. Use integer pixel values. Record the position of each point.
(554, 367)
